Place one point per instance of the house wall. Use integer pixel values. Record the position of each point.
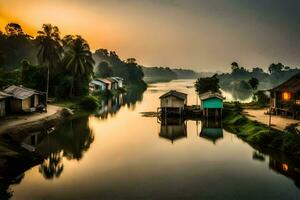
(172, 102)
(2, 108)
(15, 105)
(26, 103)
(212, 103)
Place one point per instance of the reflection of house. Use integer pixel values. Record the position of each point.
(211, 130)
(23, 99)
(173, 102)
(4, 100)
(173, 129)
(211, 103)
(98, 85)
(285, 98)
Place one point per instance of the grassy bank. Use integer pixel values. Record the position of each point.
(259, 135)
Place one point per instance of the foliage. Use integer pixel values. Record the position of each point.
(89, 103)
(129, 70)
(260, 135)
(203, 85)
(261, 99)
(33, 76)
(253, 82)
(79, 62)
(103, 70)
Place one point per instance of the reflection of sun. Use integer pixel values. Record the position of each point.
(285, 167)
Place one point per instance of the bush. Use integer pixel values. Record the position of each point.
(89, 103)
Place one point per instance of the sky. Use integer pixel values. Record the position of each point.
(204, 35)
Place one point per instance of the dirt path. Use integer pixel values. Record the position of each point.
(22, 119)
(278, 122)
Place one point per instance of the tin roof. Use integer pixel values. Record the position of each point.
(174, 93)
(291, 85)
(98, 82)
(4, 95)
(210, 94)
(20, 92)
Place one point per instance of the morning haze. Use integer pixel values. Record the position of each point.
(192, 34)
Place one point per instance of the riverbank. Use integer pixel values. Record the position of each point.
(34, 122)
(259, 135)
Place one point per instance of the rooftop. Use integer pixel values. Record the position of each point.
(19, 92)
(210, 94)
(291, 85)
(174, 93)
(4, 95)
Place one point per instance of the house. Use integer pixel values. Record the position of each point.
(285, 98)
(23, 99)
(172, 102)
(98, 85)
(113, 83)
(3, 103)
(212, 103)
(119, 80)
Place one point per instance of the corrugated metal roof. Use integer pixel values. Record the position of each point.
(291, 85)
(20, 92)
(210, 94)
(4, 95)
(98, 82)
(175, 93)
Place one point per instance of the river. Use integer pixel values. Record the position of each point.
(120, 154)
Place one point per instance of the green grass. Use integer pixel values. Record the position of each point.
(259, 135)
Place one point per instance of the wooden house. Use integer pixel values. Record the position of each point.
(212, 104)
(24, 99)
(119, 80)
(172, 102)
(98, 85)
(113, 83)
(285, 98)
(4, 109)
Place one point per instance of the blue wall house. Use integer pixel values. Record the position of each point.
(212, 104)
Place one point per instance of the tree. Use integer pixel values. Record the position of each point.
(234, 66)
(203, 85)
(78, 61)
(50, 49)
(276, 68)
(104, 70)
(253, 82)
(13, 29)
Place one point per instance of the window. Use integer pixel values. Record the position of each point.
(298, 101)
(286, 96)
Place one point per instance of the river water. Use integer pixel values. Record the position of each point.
(120, 154)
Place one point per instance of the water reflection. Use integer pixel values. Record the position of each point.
(172, 129)
(111, 105)
(211, 130)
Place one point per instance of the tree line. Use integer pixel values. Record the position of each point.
(60, 65)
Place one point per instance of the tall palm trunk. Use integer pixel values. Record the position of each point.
(47, 87)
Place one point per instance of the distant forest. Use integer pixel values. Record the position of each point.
(237, 81)
(167, 73)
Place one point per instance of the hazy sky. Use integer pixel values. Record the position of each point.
(206, 35)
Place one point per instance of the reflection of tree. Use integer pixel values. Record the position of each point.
(70, 140)
(52, 166)
(133, 96)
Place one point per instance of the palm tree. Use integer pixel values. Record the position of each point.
(78, 60)
(50, 50)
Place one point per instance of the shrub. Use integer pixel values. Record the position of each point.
(89, 103)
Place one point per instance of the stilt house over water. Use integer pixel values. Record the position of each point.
(173, 102)
(212, 104)
(285, 98)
